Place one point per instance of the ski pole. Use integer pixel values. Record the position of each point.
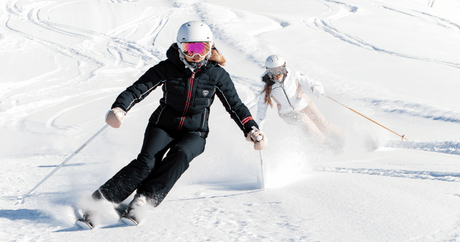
(262, 170)
(259, 138)
(20, 199)
(402, 136)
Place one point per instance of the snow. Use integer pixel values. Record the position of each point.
(396, 61)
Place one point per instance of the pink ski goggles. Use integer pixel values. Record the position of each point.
(191, 49)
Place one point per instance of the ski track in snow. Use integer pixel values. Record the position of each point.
(414, 109)
(428, 175)
(447, 147)
(113, 43)
(442, 22)
(325, 24)
(103, 48)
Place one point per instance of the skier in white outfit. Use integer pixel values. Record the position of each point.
(287, 89)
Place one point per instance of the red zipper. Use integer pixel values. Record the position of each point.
(189, 97)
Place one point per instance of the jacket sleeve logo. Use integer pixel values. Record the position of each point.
(205, 93)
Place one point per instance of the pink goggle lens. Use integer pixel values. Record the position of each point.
(196, 48)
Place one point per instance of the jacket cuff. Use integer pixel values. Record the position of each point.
(248, 127)
(116, 105)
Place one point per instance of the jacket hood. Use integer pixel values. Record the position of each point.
(173, 55)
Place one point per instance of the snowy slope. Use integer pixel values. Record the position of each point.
(396, 61)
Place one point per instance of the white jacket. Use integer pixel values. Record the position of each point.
(287, 96)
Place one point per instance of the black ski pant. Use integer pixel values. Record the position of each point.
(153, 174)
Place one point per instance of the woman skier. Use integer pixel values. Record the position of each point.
(190, 77)
(287, 88)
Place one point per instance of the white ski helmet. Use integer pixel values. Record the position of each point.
(194, 31)
(274, 61)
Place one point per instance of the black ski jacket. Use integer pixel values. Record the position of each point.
(187, 95)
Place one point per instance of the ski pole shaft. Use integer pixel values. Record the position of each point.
(402, 136)
(262, 171)
(20, 199)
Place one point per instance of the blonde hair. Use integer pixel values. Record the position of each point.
(217, 56)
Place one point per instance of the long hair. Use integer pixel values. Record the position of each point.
(269, 81)
(267, 89)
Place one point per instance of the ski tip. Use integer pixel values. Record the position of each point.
(84, 225)
(129, 221)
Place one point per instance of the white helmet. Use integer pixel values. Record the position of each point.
(194, 31)
(274, 61)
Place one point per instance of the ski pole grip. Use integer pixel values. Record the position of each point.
(259, 137)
